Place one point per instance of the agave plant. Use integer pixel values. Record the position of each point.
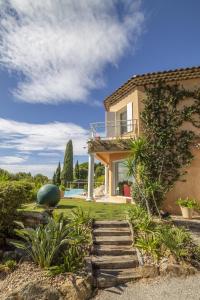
(61, 245)
(44, 242)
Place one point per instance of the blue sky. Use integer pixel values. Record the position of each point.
(60, 59)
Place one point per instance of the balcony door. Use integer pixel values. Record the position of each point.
(123, 122)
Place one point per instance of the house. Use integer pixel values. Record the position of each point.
(109, 141)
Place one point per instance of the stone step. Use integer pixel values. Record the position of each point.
(111, 224)
(113, 250)
(124, 231)
(115, 262)
(107, 277)
(112, 240)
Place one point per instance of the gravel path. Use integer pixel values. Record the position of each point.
(162, 289)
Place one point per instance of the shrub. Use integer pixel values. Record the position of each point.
(12, 195)
(8, 266)
(62, 188)
(78, 247)
(80, 217)
(140, 220)
(188, 202)
(159, 239)
(149, 244)
(175, 240)
(61, 245)
(100, 180)
(43, 243)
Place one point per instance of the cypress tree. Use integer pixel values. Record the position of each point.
(58, 175)
(67, 171)
(54, 178)
(76, 170)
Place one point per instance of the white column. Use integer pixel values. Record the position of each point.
(106, 179)
(90, 196)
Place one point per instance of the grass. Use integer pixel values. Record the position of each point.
(99, 211)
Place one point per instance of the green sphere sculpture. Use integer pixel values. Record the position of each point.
(48, 195)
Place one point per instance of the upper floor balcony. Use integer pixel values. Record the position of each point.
(110, 130)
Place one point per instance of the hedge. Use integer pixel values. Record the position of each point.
(12, 195)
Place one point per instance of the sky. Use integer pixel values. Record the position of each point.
(59, 59)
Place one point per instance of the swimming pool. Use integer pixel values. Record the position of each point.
(73, 192)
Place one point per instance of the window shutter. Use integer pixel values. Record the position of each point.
(110, 124)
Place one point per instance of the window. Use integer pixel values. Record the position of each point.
(120, 176)
(123, 122)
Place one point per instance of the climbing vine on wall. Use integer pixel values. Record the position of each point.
(167, 142)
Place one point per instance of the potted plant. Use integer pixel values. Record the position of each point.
(187, 207)
(62, 190)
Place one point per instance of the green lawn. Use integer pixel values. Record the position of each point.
(99, 211)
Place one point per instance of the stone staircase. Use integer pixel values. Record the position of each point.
(114, 260)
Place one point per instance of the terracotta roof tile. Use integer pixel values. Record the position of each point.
(150, 78)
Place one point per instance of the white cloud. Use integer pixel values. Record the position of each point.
(61, 47)
(48, 154)
(41, 137)
(11, 160)
(48, 141)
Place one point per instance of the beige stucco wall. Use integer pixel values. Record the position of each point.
(189, 188)
(132, 97)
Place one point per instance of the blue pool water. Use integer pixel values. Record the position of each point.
(73, 192)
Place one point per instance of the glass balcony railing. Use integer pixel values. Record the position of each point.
(114, 129)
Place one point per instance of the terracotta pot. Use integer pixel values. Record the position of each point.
(187, 212)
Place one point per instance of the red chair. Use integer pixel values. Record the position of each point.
(127, 190)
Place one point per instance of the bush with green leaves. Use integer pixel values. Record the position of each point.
(61, 245)
(158, 239)
(12, 195)
(188, 202)
(174, 240)
(140, 220)
(149, 244)
(8, 266)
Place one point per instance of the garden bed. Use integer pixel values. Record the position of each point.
(163, 248)
(29, 280)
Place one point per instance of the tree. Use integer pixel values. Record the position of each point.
(99, 170)
(76, 170)
(67, 171)
(54, 178)
(40, 178)
(83, 171)
(58, 175)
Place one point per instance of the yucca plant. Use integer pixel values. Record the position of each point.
(80, 217)
(140, 220)
(79, 241)
(44, 242)
(61, 245)
(175, 240)
(149, 244)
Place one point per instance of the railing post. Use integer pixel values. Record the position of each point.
(106, 180)
(90, 195)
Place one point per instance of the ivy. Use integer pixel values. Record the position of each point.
(168, 142)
